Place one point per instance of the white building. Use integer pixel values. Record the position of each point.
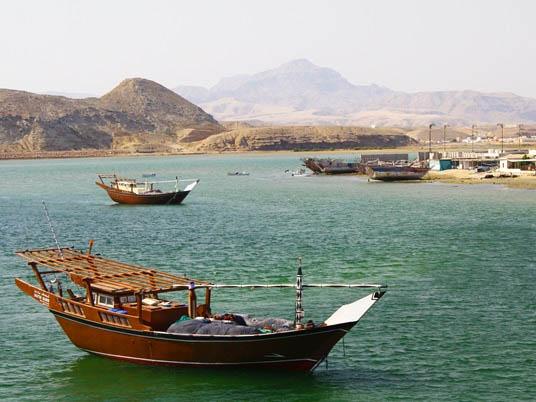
(516, 164)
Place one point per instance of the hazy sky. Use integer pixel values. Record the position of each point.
(89, 46)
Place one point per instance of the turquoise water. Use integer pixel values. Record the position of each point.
(458, 321)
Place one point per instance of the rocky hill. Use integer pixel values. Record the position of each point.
(32, 122)
(304, 138)
(300, 92)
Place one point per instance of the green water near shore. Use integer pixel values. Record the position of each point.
(458, 321)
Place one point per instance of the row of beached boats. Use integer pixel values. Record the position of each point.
(375, 169)
(143, 315)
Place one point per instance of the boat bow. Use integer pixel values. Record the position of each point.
(353, 312)
(191, 186)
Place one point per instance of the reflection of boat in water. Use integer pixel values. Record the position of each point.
(395, 172)
(331, 166)
(237, 173)
(124, 313)
(132, 191)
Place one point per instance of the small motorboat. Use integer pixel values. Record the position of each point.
(237, 173)
(297, 173)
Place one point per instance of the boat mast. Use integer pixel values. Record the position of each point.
(299, 294)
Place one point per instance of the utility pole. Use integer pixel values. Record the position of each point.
(430, 140)
(501, 125)
(519, 127)
(445, 139)
(473, 137)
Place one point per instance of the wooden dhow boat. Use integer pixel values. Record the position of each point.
(396, 172)
(133, 191)
(331, 166)
(121, 311)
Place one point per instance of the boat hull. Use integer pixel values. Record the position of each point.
(331, 166)
(396, 173)
(294, 350)
(125, 197)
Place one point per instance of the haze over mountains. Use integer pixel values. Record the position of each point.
(140, 115)
(300, 92)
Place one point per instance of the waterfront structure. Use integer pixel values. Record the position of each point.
(516, 164)
(463, 160)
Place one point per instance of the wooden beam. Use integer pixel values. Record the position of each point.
(89, 295)
(192, 303)
(207, 300)
(139, 301)
(38, 275)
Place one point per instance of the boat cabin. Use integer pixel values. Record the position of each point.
(87, 285)
(128, 185)
(133, 185)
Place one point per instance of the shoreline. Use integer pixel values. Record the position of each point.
(461, 176)
(96, 153)
(452, 176)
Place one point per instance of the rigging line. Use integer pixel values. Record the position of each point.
(52, 230)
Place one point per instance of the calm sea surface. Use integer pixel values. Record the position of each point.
(458, 321)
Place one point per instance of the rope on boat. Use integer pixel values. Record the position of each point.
(53, 231)
(292, 285)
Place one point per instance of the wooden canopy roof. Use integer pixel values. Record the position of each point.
(107, 275)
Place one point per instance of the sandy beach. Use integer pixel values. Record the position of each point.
(462, 176)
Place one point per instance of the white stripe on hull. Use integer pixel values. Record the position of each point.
(185, 363)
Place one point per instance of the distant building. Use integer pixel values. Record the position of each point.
(519, 164)
(462, 160)
(440, 164)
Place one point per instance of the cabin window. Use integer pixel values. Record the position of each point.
(105, 300)
(128, 299)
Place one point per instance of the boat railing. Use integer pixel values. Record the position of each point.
(79, 308)
(166, 181)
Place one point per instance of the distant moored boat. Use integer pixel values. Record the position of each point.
(237, 173)
(331, 166)
(132, 191)
(395, 173)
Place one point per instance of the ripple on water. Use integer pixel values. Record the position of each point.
(457, 323)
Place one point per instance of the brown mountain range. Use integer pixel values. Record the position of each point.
(32, 122)
(142, 116)
(300, 92)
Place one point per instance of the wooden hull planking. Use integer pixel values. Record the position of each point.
(126, 197)
(294, 350)
(395, 173)
(90, 328)
(329, 166)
